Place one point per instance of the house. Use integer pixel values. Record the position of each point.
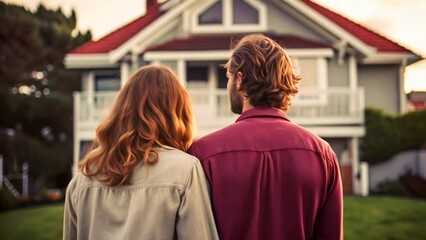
(416, 100)
(344, 66)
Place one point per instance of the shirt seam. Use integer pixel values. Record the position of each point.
(271, 150)
(133, 187)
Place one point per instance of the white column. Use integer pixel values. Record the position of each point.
(1, 171)
(135, 62)
(90, 97)
(364, 179)
(76, 155)
(353, 82)
(124, 72)
(402, 96)
(181, 69)
(25, 179)
(355, 165)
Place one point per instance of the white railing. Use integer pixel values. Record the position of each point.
(310, 107)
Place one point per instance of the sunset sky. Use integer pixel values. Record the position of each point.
(398, 20)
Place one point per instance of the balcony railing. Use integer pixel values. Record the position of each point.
(333, 106)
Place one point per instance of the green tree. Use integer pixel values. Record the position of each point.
(35, 91)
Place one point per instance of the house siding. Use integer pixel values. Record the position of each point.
(381, 84)
(280, 20)
(338, 75)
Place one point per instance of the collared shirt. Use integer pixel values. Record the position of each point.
(167, 200)
(271, 179)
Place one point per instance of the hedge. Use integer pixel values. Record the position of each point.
(388, 135)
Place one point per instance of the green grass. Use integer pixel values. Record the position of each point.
(384, 218)
(378, 218)
(42, 222)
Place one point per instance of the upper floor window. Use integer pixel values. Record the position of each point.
(231, 16)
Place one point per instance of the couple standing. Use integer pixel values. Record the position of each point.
(262, 177)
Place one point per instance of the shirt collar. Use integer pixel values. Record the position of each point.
(263, 112)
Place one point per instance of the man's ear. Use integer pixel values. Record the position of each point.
(239, 79)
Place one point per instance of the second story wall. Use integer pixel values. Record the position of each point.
(381, 84)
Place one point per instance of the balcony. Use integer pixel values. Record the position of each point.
(334, 106)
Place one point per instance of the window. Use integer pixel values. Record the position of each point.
(222, 78)
(197, 76)
(314, 80)
(230, 15)
(244, 13)
(107, 83)
(213, 15)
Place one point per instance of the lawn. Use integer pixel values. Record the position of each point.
(378, 218)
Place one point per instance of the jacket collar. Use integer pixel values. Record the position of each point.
(263, 112)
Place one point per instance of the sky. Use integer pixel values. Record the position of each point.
(398, 20)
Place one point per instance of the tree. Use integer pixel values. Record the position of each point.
(35, 91)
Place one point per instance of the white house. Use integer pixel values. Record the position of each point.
(344, 66)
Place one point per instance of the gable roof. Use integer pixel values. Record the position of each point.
(223, 42)
(118, 37)
(369, 37)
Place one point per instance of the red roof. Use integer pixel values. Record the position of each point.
(223, 42)
(362, 33)
(119, 36)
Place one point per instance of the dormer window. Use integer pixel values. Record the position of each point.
(230, 16)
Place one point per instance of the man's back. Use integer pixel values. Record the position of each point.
(271, 179)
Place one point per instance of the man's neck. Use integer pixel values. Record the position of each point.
(246, 105)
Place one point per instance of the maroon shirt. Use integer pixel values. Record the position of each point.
(271, 179)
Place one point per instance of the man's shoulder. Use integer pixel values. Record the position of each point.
(212, 143)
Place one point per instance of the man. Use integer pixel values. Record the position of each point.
(270, 178)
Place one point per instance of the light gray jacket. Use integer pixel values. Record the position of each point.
(168, 200)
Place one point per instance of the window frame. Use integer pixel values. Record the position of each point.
(227, 25)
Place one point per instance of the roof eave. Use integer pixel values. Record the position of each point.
(391, 58)
(331, 27)
(87, 61)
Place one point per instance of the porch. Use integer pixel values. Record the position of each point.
(311, 107)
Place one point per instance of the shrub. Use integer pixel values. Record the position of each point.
(7, 200)
(387, 135)
(392, 188)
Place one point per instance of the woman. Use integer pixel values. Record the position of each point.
(138, 183)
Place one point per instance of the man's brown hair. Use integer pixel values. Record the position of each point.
(267, 73)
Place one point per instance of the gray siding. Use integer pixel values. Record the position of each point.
(381, 84)
(281, 21)
(338, 76)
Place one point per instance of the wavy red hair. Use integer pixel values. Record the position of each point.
(152, 110)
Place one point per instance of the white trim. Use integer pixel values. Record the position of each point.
(338, 131)
(386, 58)
(74, 60)
(225, 54)
(330, 26)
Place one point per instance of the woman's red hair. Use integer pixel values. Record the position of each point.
(152, 110)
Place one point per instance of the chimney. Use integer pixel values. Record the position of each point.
(151, 5)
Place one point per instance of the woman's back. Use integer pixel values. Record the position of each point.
(163, 201)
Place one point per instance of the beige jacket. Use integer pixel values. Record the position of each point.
(168, 200)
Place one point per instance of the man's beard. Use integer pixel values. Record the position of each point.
(236, 100)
